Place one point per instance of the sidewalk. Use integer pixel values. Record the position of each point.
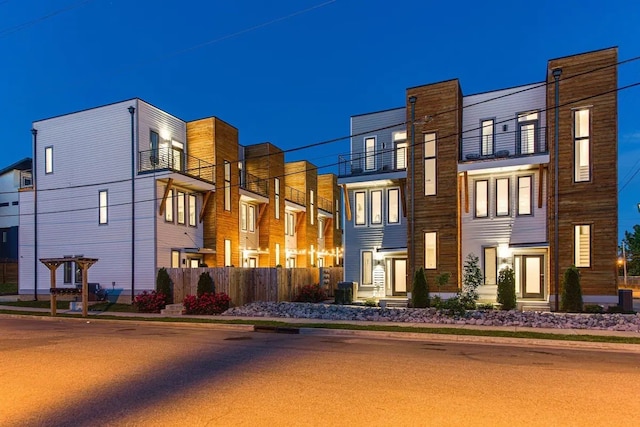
(354, 333)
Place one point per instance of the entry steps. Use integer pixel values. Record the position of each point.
(173, 310)
(393, 302)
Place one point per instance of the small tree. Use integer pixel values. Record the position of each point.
(420, 291)
(471, 280)
(571, 291)
(164, 285)
(205, 284)
(507, 289)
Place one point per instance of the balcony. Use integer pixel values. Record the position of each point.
(175, 160)
(255, 185)
(381, 161)
(295, 196)
(325, 205)
(526, 142)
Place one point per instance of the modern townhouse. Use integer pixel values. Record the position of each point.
(329, 222)
(483, 178)
(12, 179)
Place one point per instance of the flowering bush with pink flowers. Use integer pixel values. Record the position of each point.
(207, 303)
(311, 293)
(150, 302)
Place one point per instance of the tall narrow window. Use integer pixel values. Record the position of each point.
(276, 184)
(252, 218)
(429, 164)
(582, 245)
(48, 160)
(337, 218)
(393, 206)
(367, 268)
(486, 129)
(67, 271)
(490, 266)
(376, 207)
(360, 208)
(227, 186)
(369, 153)
(103, 216)
(430, 250)
(192, 210)
(581, 135)
(175, 259)
(502, 197)
(181, 197)
(320, 228)
(527, 130)
(243, 217)
(400, 141)
(154, 143)
(277, 260)
(168, 211)
(482, 199)
(311, 207)
(524, 195)
(227, 253)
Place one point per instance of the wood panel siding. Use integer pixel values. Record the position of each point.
(303, 176)
(328, 189)
(441, 104)
(594, 202)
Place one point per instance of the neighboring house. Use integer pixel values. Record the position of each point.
(12, 179)
(484, 182)
(140, 189)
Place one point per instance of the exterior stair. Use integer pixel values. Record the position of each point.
(535, 306)
(393, 302)
(173, 310)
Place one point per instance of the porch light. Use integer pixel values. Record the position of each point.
(504, 253)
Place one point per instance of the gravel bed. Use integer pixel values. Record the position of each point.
(610, 322)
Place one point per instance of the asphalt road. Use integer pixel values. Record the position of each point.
(76, 373)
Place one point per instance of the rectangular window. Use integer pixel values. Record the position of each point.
(490, 266)
(581, 135)
(277, 254)
(502, 197)
(67, 271)
(393, 206)
(376, 207)
(175, 259)
(311, 207)
(400, 141)
(482, 199)
(227, 253)
(429, 164)
(227, 186)
(243, 217)
(168, 212)
(486, 129)
(48, 160)
(367, 268)
(360, 208)
(527, 130)
(252, 218)
(181, 200)
(430, 250)
(369, 153)
(154, 143)
(524, 195)
(277, 197)
(192, 210)
(320, 228)
(582, 245)
(103, 215)
(337, 219)
(289, 223)
(4, 237)
(78, 273)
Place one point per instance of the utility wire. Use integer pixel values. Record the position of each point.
(24, 25)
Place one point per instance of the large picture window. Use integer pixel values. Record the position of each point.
(430, 172)
(582, 149)
(502, 197)
(430, 250)
(582, 234)
(482, 199)
(360, 207)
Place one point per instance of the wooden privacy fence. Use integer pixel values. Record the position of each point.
(8, 271)
(246, 285)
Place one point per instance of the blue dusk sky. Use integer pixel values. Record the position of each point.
(293, 72)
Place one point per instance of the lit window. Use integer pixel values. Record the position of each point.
(360, 208)
(400, 141)
(227, 253)
(393, 206)
(527, 129)
(582, 245)
(168, 213)
(581, 129)
(337, 219)
(376, 207)
(369, 153)
(67, 271)
(252, 218)
(486, 129)
(482, 199)
(367, 267)
(502, 197)
(429, 164)
(524, 195)
(320, 228)
(175, 259)
(277, 197)
(277, 254)
(192, 210)
(490, 266)
(243, 217)
(430, 253)
(103, 216)
(48, 160)
(227, 186)
(311, 207)
(181, 199)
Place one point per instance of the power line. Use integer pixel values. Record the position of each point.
(24, 25)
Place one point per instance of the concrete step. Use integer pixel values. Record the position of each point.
(173, 310)
(536, 307)
(393, 303)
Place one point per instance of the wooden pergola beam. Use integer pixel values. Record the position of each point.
(84, 264)
(403, 196)
(347, 205)
(205, 200)
(163, 203)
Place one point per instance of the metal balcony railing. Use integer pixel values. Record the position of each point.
(387, 160)
(520, 143)
(176, 160)
(255, 185)
(296, 196)
(325, 205)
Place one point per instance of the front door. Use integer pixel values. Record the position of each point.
(399, 276)
(532, 276)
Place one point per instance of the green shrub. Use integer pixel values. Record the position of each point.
(205, 284)
(593, 308)
(420, 291)
(471, 280)
(311, 293)
(485, 307)
(370, 302)
(571, 291)
(164, 285)
(507, 289)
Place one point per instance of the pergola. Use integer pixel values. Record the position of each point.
(84, 264)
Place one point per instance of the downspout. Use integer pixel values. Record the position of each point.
(412, 101)
(34, 168)
(132, 111)
(556, 233)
